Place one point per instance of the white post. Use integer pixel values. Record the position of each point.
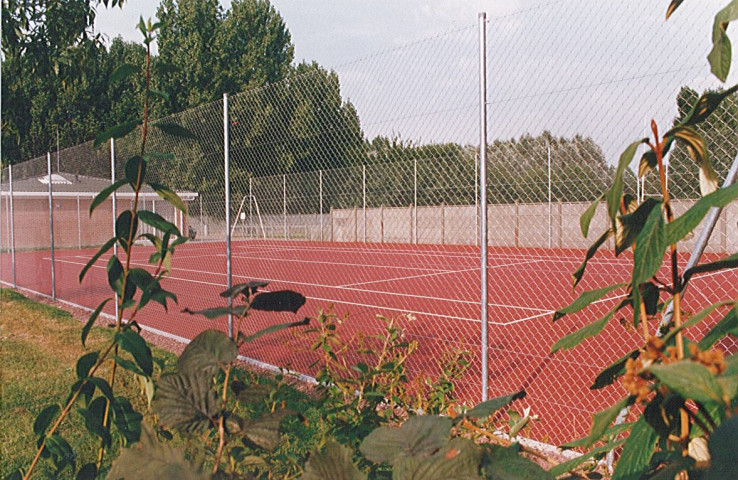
(284, 206)
(415, 201)
(227, 184)
(251, 208)
(79, 226)
(320, 193)
(11, 216)
(115, 210)
(51, 227)
(483, 197)
(548, 154)
(363, 195)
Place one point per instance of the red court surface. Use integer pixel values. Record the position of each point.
(438, 285)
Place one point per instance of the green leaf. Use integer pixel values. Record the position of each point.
(576, 277)
(126, 420)
(459, 459)
(334, 461)
(186, 402)
(107, 246)
(151, 459)
(720, 55)
(135, 171)
(212, 313)
(724, 455)
(585, 299)
(673, 6)
(61, 452)
(164, 192)
(102, 385)
(705, 105)
(264, 431)
(116, 132)
(588, 214)
(421, 435)
(134, 344)
(727, 262)
(175, 130)
(247, 289)
(44, 419)
(94, 415)
(694, 320)
(85, 363)
(727, 326)
(128, 365)
(105, 193)
(613, 371)
(698, 151)
(485, 409)
(575, 338)
(157, 221)
(691, 380)
(123, 71)
(688, 221)
(502, 463)
(650, 247)
(600, 423)
(126, 226)
(91, 321)
(206, 352)
(141, 278)
(616, 190)
(630, 225)
(273, 329)
(570, 465)
(637, 452)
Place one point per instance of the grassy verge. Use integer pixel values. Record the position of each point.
(39, 348)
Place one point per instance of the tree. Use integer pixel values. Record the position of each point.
(44, 45)
(720, 132)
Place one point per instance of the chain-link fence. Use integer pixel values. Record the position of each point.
(360, 188)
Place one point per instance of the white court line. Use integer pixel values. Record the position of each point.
(345, 302)
(434, 274)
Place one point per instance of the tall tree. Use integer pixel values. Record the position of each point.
(45, 44)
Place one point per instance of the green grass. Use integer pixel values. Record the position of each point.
(39, 348)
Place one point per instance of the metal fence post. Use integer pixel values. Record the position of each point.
(548, 155)
(320, 181)
(79, 226)
(12, 225)
(51, 226)
(363, 196)
(483, 196)
(114, 200)
(227, 185)
(251, 207)
(284, 206)
(415, 201)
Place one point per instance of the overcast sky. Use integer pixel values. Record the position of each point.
(600, 68)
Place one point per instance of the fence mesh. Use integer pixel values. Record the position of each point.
(359, 188)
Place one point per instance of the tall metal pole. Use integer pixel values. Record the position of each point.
(476, 198)
(114, 199)
(284, 206)
(12, 224)
(79, 226)
(548, 154)
(415, 201)
(320, 194)
(51, 227)
(363, 196)
(227, 184)
(251, 208)
(58, 163)
(483, 196)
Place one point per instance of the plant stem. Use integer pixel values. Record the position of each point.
(675, 278)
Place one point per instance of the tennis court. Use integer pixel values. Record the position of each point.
(437, 285)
